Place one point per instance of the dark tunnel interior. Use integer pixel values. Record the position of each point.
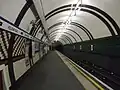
(57, 46)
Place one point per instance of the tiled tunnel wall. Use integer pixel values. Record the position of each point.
(20, 55)
(18, 14)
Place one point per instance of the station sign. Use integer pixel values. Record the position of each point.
(7, 26)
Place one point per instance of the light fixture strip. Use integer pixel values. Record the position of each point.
(68, 21)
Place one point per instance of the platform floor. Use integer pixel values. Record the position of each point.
(51, 74)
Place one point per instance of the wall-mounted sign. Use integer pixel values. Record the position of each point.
(33, 48)
(7, 26)
(27, 53)
(37, 47)
(80, 47)
(74, 47)
(92, 47)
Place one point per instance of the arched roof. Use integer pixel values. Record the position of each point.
(95, 19)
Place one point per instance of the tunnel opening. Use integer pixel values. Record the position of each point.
(57, 46)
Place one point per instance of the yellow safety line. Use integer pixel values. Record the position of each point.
(90, 79)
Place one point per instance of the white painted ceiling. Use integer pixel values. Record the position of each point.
(97, 28)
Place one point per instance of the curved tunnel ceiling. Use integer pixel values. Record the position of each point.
(67, 30)
(102, 24)
(63, 8)
(65, 38)
(77, 25)
(68, 35)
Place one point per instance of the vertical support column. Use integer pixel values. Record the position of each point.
(30, 54)
(39, 8)
(11, 44)
(39, 51)
(10, 61)
(1, 81)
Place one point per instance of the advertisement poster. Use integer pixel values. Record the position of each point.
(33, 48)
(37, 47)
